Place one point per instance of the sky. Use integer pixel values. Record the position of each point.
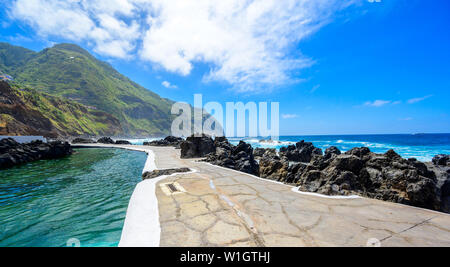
(335, 66)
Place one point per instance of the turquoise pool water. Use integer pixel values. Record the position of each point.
(82, 197)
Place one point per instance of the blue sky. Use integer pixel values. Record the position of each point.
(336, 68)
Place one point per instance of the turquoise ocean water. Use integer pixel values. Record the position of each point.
(84, 197)
(421, 146)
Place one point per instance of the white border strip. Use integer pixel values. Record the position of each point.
(297, 190)
(142, 226)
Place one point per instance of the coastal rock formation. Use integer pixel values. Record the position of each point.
(442, 160)
(168, 141)
(158, 173)
(301, 152)
(83, 141)
(440, 166)
(13, 153)
(106, 140)
(258, 153)
(238, 157)
(197, 147)
(273, 168)
(122, 142)
(387, 177)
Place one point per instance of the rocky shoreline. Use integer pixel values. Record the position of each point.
(13, 153)
(103, 140)
(387, 177)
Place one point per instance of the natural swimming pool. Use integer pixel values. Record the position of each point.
(82, 197)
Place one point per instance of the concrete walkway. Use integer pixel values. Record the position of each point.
(221, 207)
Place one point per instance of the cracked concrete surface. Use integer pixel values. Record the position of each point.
(223, 207)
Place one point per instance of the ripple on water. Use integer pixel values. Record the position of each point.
(84, 196)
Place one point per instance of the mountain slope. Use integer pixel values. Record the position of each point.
(12, 57)
(69, 71)
(26, 112)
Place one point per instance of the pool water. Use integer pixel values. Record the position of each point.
(82, 198)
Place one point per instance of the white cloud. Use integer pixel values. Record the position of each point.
(169, 85)
(289, 116)
(377, 103)
(98, 22)
(248, 44)
(419, 99)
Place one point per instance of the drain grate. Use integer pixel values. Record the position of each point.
(172, 188)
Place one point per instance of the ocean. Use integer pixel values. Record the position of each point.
(420, 146)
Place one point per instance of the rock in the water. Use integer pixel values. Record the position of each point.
(123, 142)
(106, 140)
(158, 173)
(197, 147)
(13, 153)
(83, 141)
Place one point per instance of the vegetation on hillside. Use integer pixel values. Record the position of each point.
(24, 111)
(69, 71)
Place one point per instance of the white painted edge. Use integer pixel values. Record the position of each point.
(297, 190)
(293, 188)
(142, 226)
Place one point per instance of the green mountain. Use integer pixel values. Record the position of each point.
(24, 111)
(68, 71)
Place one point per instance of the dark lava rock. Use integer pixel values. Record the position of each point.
(83, 141)
(443, 184)
(332, 151)
(197, 147)
(445, 197)
(122, 142)
(258, 153)
(106, 140)
(13, 153)
(238, 157)
(273, 168)
(387, 177)
(301, 152)
(168, 141)
(158, 173)
(442, 160)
